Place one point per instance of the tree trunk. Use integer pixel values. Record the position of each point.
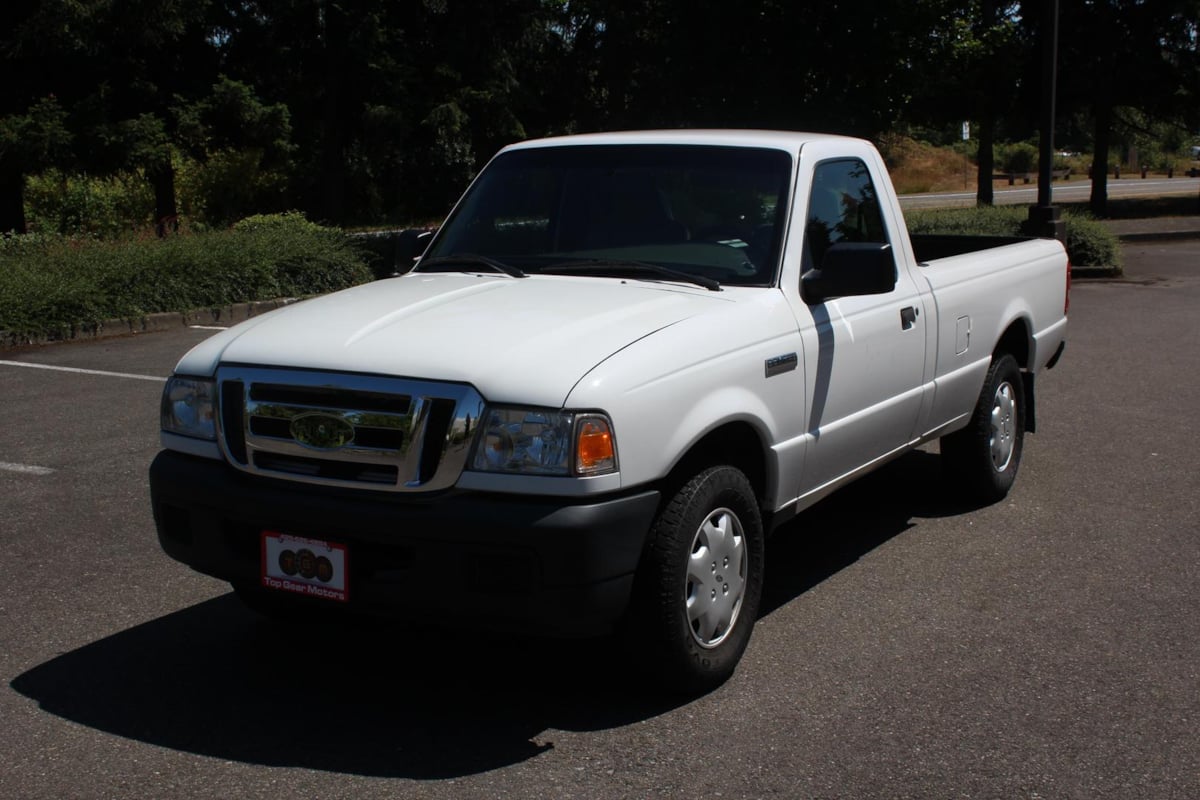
(987, 124)
(332, 158)
(1102, 138)
(166, 212)
(12, 197)
(987, 159)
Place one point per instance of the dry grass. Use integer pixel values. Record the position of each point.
(918, 167)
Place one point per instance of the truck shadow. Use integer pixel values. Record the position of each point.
(378, 700)
(852, 522)
(392, 701)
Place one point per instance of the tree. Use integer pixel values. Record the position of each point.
(996, 33)
(480, 67)
(112, 71)
(1128, 53)
(151, 53)
(37, 137)
(847, 67)
(41, 43)
(241, 148)
(973, 69)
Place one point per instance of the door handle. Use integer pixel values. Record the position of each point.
(908, 317)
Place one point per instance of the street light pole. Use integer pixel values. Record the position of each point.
(1044, 219)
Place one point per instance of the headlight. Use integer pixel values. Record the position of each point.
(540, 442)
(187, 408)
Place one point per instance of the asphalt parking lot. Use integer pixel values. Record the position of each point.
(1044, 647)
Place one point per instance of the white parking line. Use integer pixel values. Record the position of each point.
(27, 469)
(79, 371)
(209, 327)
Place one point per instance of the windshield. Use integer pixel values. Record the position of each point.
(715, 213)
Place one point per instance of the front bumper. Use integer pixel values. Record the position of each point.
(484, 560)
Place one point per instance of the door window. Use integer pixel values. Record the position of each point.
(843, 207)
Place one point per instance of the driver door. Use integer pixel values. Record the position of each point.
(866, 354)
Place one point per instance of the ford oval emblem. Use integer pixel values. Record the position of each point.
(322, 431)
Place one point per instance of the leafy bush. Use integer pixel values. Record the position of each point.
(293, 222)
(229, 184)
(982, 221)
(1019, 157)
(1089, 243)
(66, 203)
(50, 285)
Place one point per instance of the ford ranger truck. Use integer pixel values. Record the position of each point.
(621, 362)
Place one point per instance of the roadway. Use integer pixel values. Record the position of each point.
(1063, 192)
(910, 647)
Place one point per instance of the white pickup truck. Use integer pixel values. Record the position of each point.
(621, 362)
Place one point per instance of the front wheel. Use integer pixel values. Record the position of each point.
(699, 585)
(984, 456)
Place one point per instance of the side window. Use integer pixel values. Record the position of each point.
(843, 207)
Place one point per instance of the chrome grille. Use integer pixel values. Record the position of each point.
(353, 430)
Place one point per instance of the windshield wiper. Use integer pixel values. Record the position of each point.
(470, 260)
(601, 266)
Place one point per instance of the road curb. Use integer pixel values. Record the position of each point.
(1089, 273)
(150, 323)
(1158, 236)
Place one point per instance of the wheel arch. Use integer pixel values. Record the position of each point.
(1017, 341)
(737, 443)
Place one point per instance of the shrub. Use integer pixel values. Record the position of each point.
(1019, 157)
(229, 184)
(982, 221)
(1089, 243)
(289, 221)
(51, 285)
(67, 203)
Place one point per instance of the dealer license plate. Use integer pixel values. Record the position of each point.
(305, 566)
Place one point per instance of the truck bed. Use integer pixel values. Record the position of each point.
(931, 246)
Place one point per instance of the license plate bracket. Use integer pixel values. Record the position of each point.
(301, 565)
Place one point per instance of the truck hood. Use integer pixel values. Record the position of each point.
(515, 340)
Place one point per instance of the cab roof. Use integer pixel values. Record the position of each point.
(791, 141)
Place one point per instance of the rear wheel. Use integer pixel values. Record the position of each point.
(984, 456)
(699, 586)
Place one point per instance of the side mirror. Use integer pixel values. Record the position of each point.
(410, 245)
(849, 269)
(393, 252)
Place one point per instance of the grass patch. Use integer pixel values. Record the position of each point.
(1089, 243)
(51, 286)
(918, 167)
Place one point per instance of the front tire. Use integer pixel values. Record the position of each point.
(700, 582)
(984, 456)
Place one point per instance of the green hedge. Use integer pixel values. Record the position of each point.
(1089, 243)
(52, 285)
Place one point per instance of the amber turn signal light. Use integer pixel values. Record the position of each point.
(594, 451)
